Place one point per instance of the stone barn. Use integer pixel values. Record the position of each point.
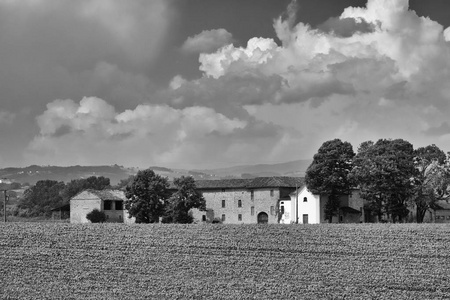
(108, 201)
(245, 201)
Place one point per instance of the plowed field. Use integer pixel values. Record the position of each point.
(329, 261)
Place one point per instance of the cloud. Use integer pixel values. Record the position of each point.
(443, 129)
(207, 41)
(373, 72)
(92, 132)
(57, 49)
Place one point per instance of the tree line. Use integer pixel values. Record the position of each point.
(390, 174)
(149, 196)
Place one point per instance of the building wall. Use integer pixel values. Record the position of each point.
(314, 208)
(79, 208)
(286, 217)
(302, 210)
(113, 215)
(85, 202)
(264, 201)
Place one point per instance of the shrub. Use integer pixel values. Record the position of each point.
(96, 216)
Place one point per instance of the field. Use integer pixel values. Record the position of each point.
(117, 261)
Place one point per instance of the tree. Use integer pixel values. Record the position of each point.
(78, 185)
(328, 173)
(146, 196)
(432, 179)
(96, 216)
(384, 171)
(42, 197)
(124, 182)
(183, 200)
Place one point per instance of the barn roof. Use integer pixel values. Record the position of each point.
(253, 183)
(442, 204)
(104, 194)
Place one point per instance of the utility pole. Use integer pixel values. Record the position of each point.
(5, 181)
(4, 204)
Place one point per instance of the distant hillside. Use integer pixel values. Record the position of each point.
(115, 173)
(33, 174)
(292, 168)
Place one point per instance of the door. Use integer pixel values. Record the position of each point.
(263, 218)
(305, 219)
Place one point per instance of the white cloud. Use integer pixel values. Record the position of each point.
(374, 72)
(207, 41)
(92, 132)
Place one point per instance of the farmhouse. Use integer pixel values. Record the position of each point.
(108, 201)
(245, 201)
(440, 213)
(303, 207)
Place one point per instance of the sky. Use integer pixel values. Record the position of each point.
(206, 83)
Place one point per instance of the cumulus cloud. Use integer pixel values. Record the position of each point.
(378, 71)
(387, 63)
(92, 132)
(207, 41)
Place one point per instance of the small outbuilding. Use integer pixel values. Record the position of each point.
(108, 201)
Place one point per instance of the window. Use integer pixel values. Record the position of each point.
(305, 199)
(282, 210)
(272, 210)
(252, 195)
(223, 218)
(223, 203)
(107, 205)
(271, 193)
(252, 210)
(203, 218)
(239, 217)
(119, 205)
(239, 203)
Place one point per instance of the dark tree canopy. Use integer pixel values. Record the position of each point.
(328, 173)
(78, 185)
(384, 172)
(42, 197)
(146, 195)
(184, 199)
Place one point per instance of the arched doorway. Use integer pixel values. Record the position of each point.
(263, 218)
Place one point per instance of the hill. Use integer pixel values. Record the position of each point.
(115, 173)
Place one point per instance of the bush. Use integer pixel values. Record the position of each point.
(96, 216)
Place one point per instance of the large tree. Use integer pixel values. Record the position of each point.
(146, 196)
(78, 185)
(183, 200)
(384, 171)
(42, 197)
(328, 173)
(432, 179)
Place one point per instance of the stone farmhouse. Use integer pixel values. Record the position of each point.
(108, 201)
(245, 201)
(260, 200)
